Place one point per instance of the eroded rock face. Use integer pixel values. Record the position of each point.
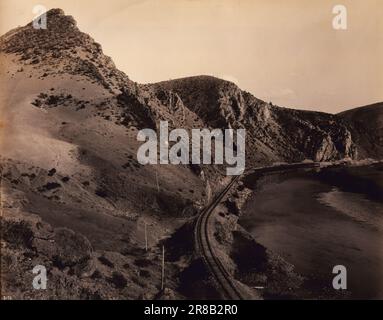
(136, 112)
(96, 179)
(366, 128)
(273, 133)
(62, 48)
(326, 150)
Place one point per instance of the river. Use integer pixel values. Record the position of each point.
(318, 219)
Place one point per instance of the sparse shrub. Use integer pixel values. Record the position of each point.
(144, 273)
(17, 233)
(105, 261)
(119, 280)
(37, 103)
(72, 249)
(101, 193)
(52, 100)
(49, 186)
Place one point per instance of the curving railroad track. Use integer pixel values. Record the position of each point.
(222, 278)
(220, 275)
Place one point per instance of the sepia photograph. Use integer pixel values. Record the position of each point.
(191, 150)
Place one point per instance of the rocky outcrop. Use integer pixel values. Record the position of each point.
(74, 136)
(62, 48)
(273, 133)
(217, 102)
(366, 129)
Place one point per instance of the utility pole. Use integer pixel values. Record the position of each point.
(163, 268)
(158, 186)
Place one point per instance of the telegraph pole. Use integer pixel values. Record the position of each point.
(163, 268)
(158, 186)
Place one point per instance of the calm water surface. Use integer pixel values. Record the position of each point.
(316, 220)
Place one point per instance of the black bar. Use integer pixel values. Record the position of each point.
(193, 309)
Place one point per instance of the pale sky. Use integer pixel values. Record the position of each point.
(284, 51)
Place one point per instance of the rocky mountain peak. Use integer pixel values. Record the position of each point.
(273, 133)
(62, 48)
(61, 33)
(57, 15)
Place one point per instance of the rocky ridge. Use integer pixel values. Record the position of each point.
(70, 120)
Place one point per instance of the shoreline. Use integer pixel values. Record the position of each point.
(259, 184)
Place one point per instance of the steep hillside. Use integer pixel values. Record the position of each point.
(273, 133)
(69, 170)
(366, 127)
(69, 122)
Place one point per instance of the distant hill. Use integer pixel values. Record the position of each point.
(69, 122)
(366, 126)
(273, 133)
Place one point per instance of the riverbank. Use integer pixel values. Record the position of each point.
(315, 220)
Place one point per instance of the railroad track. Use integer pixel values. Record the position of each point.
(221, 276)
